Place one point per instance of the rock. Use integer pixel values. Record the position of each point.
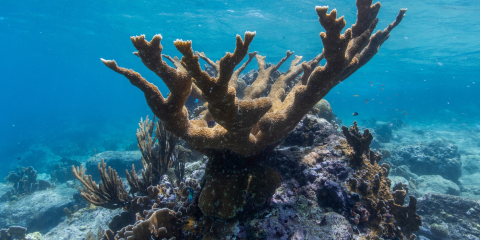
(311, 131)
(403, 171)
(38, 211)
(287, 161)
(470, 180)
(278, 226)
(325, 110)
(250, 77)
(376, 144)
(198, 174)
(383, 132)
(439, 230)
(4, 188)
(81, 222)
(118, 160)
(336, 196)
(396, 179)
(396, 124)
(335, 226)
(34, 236)
(470, 165)
(470, 185)
(435, 158)
(436, 184)
(457, 214)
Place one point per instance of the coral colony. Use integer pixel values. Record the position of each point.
(236, 130)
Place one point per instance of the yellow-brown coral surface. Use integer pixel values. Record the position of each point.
(247, 126)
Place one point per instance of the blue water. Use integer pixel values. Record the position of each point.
(54, 88)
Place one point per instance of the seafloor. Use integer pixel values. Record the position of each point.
(436, 168)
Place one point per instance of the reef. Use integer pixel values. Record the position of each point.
(449, 217)
(239, 135)
(251, 126)
(110, 193)
(386, 214)
(12, 232)
(435, 158)
(24, 182)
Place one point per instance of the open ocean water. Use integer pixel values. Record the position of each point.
(59, 100)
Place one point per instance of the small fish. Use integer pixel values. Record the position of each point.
(355, 114)
(388, 98)
(355, 95)
(211, 124)
(382, 85)
(396, 94)
(18, 158)
(405, 113)
(371, 85)
(403, 110)
(190, 194)
(381, 89)
(396, 109)
(366, 101)
(370, 82)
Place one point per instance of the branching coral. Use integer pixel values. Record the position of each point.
(248, 128)
(249, 125)
(110, 193)
(157, 151)
(158, 154)
(359, 142)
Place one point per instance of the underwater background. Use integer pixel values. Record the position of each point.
(57, 96)
(54, 87)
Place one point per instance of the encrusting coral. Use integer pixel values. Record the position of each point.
(387, 215)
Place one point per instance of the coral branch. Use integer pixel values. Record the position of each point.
(109, 193)
(233, 79)
(249, 125)
(260, 84)
(158, 151)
